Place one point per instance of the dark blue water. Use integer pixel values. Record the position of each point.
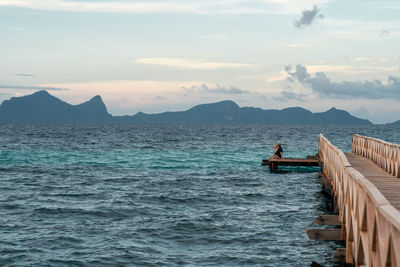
(161, 195)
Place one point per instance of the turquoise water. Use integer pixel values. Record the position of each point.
(162, 195)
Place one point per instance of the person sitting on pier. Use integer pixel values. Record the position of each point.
(278, 152)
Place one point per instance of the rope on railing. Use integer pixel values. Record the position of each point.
(371, 224)
(385, 155)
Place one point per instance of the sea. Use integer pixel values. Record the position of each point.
(163, 195)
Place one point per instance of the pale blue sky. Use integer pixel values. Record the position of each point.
(154, 56)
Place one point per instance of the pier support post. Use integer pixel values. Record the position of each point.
(324, 234)
(324, 219)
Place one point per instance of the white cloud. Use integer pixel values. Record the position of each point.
(170, 6)
(367, 59)
(277, 77)
(350, 69)
(366, 66)
(217, 37)
(362, 25)
(191, 64)
(219, 89)
(31, 87)
(294, 45)
(361, 29)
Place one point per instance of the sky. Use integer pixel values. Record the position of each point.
(169, 55)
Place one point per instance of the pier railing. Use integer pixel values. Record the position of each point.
(370, 224)
(385, 155)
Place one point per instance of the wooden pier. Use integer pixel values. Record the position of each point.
(274, 163)
(365, 187)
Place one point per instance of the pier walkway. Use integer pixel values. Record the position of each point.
(366, 188)
(384, 182)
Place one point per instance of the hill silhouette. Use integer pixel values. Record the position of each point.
(41, 107)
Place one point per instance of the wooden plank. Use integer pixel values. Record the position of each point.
(325, 219)
(324, 234)
(295, 160)
(290, 162)
(340, 255)
(316, 156)
(387, 185)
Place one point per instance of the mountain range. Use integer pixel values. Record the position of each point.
(41, 107)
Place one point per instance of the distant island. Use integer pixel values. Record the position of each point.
(42, 107)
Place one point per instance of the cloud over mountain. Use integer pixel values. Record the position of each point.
(217, 90)
(324, 87)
